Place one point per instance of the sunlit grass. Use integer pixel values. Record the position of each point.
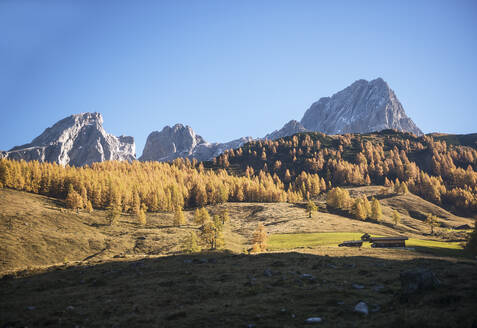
(297, 240)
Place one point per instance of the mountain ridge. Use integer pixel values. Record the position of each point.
(363, 107)
(77, 140)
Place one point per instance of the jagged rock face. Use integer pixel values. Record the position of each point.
(288, 129)
(360, 108)
(181, 141)
(76, 140)
(176, 141)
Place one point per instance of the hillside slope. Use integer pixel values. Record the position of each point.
(37, 231)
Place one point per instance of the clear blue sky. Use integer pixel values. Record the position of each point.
(229, 68)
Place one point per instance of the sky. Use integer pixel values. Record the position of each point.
(229, 68)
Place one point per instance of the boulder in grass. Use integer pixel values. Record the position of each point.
(417, 280)
(362, 308)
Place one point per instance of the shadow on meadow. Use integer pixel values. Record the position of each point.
(224, 289)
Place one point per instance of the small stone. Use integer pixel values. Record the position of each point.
(361, 307)
(251, 325)
(378, 288)
(188, 261)
(307, 276)
(358, 286)
(70, 308)
(375, 308)
(31, 307)
(313, 320)
(267, 273)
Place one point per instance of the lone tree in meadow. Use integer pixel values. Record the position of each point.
(211, 232)
(431, 221)
(376, 211)
(310, 208)
(179, 218)
(201, 216)
(259, 239)
(224, 215)
(191, 244)
(396, 218)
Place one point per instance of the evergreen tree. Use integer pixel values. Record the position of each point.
(179, 218)
(403, 189)
(359, 210)
(74, 199)
(113, 214)
(396, 218)
(259, 239)
(191, 243)
(89, 207)
(141, 215)
(224, 215)
(208, 233)
(431, 221)
(367, 206)
(376, 211)
(310, 208)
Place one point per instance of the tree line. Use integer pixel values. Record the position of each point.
(138, 187)
(442, 173)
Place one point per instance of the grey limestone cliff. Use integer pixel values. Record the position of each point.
(360, 108)
(76, 140)
(181, 141)
(288, 129)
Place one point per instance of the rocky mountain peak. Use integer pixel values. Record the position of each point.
(288, 129)
(181, 141)
(364, 106)
(76, 140)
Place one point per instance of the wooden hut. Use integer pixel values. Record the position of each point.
(398, 241)
(351, 243)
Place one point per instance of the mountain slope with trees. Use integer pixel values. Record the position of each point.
(308, 163)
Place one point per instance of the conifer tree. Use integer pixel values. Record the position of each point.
(259, 239)
(403, 189)
(113, 214)
(208, 233)
(197, 216)
(376, 211)
(358, 209)
(367, 206)
(431, 221)
(191, 243)
(89, 207)
(179, 218)
(396, 218)
(224, 215)
(74, 199)
(310, 208)
(141, 215)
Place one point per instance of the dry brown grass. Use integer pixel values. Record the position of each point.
(132, 275)
(37, 231)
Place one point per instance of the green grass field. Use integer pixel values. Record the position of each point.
(290, 241)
